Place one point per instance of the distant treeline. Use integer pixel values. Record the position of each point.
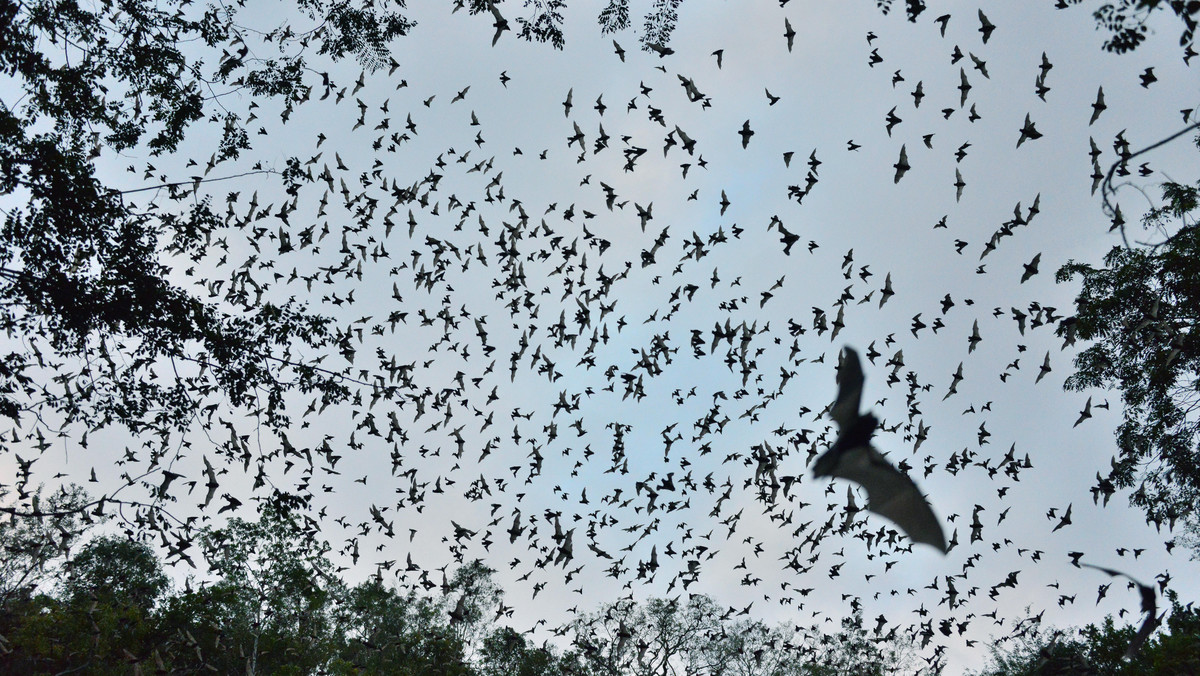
(275, 604)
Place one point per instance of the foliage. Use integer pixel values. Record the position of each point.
(116, 570)
(384, 631)
(912, 8)
(697, 636)
(96, 332)
(277, 607)
(100, 616)
(362, 31)
(1100, 649)
(660, 23)
(29, 546)
(546, 24)
(1127, 21)
(504, 652)
(1140, 311)
(614, 17)
(284, 585)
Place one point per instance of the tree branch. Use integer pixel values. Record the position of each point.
(196, 182)
(1107, 190)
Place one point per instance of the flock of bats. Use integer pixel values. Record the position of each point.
(444, 285)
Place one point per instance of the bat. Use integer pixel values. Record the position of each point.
(1098, 107)
(890, 493)
(1149, 606)
(212, 484)
(901, 165)
(501, 24)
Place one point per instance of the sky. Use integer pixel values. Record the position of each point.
(829, 96)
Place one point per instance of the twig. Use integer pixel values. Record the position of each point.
(1107, 190)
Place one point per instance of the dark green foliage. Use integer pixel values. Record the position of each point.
(912, 8)
(101, 615)
(115, 570)
(363, 31)
(546, 24)
(83, 280)
(29, 546)
(278, 607)
(1126, 21)
(660, 23)
(1099, 650)
(1139, 312)
(389, 632)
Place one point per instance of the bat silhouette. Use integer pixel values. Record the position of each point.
(890, 493)
(901, 165)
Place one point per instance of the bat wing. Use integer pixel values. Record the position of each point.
(1149, 606)
(850, 384)
(890, 493)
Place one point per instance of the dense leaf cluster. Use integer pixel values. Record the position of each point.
(1099, 650)
(1127, 21)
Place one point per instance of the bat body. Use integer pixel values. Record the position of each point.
(890, 493)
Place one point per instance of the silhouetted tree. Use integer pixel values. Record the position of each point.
(1100, 649)
(1140, 312)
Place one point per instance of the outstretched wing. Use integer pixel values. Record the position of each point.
(1149, 606)
(892, 495)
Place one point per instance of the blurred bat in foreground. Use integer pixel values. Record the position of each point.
(890, 493)
(1149, 606)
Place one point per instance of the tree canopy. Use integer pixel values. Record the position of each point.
(276, 606)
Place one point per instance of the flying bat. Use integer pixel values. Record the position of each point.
(1028, 131)
(890, 493)
(1098, 107)
(746, 133)
(1149, 606)
(211, 485)
(501, 24)
(985, 27)
(619, 51)
(901, 165)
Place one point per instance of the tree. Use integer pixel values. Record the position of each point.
(29, 547)
(100, 620)
(105, 320)
(97, 333)
(1126, 21)
(505, 652)
(1140, 311)
(283, 586)
(1100, 649)
(383, 631)
(264, 614)
(664, 636)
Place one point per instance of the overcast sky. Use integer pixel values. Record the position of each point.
(828, 95)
